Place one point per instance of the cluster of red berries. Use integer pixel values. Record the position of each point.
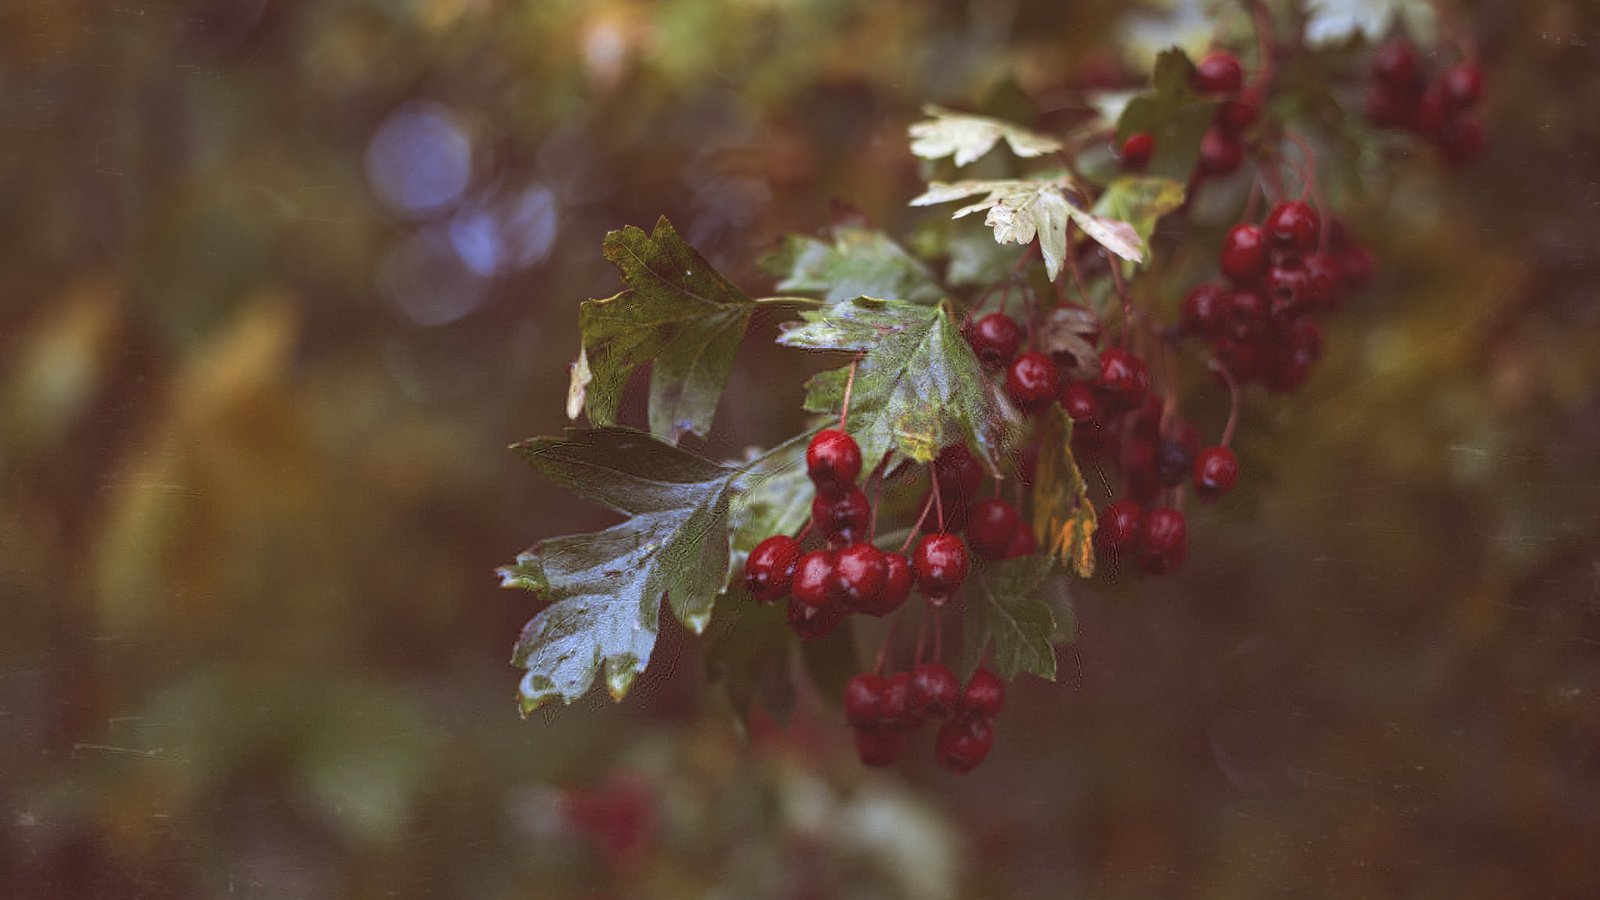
(848, 574)
(1280, 275)
(1218, 74)
(1402, 97)
(884, 711)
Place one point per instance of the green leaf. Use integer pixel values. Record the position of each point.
(975, 258)
(606, 587)
(1064, 519)
(772, 496)
(918, 388)
(859, 263)
(1140, 201)
(679, 314)
(968, 137)
(1008, 608)
(1173, 114)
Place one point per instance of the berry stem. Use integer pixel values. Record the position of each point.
(1310, 176)
(1072, 266)
(883, 651)
(938, 635)
(922, 517)
(1127, 301)
(938, 495)
(1233, 399)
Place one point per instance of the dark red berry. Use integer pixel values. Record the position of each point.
(1247, 313)
(1163, 541)
(814, 584)
(991, 524)
(1460, 141)
(1124, 381)
(935, 692)
(1357, 265)
(1293, 226)
(963, 743)
(1081, 401)
(1397, 67)
(898, 709)
(1204, 309)
(863, 699)
(1324, 280)
(1173, 461)
(769, 570)
(879, 745)
(959, 472)
(843, 518)
(1120, 523)
(1431, 111)
(1216, 470)
(813, 622)
(1217, 73)
(1022, 543)
(1463, 84)
(833, 460)
(1136, 151)
(1389, 108)
(1032, 380)
(985, 694)
(1235, 115)
(995, 338)
(896, 586)
(1244, 254)
(1220, 152)
(940, 565)
(860, 572)
(1288, 291)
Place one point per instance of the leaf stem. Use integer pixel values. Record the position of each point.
(790, 301)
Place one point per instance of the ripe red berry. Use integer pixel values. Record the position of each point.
(1389, 108)
(1080, 401)
(1220, 152)
(1431, 111)
(860, 573)
(959, 472)
(813, 622)
(769, 570)
(1324, 280)
(995, 338)
(963, 743)
(879, 745)
(991, 524)
(1124, 381)
(1203, 309)
(1397, 67)
(843, 518)
(1288, 290)
(985, 694)
(1463, 84)
(1022, 543)
(1218, 72)
(1120, 523)
(1247, 313)
(1293, 226)
(934, 690)
(814, 583)
(896, 586)
(898, 710)
(1216, 470)
(940, 565)
(1163, 541)
(1460, 141)
(833, 460)
(1244, 254)
(1032, 380)
(1136, 151)
(1235, 115)
(863, 699)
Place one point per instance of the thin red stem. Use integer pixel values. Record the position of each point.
(1222, 369)
(922, 517)
(938, 495)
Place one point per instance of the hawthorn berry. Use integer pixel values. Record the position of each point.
(863, 699)
(1247, 313)
(991, 525)
(1124, 381)
(1288, 290)
(963, 743)
(1216, 470)
(1218, 72)
(1173, 461)
(1293, 226)
(1237, 114)
(984, 696)
(898, 710)
(995, 338)
(1203, 309)
(860, 572)
(813, 622)
(1462, 84)
(1244, 254)
(940, 565)
(1431, 111)
(959, 472)
(769, 569)
(1120, 523)
(1389, 108)
(1137, 150)
(833, 460)
(842, 518)
(879, 745)
(1324, 279)
(934, 690)
(1396, 65)
(1032, 380)
(1080, 401)
(1163, 541)
(1220, 152)
(1022, 543)
(896, 586)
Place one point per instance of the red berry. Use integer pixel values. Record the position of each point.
(814, 584)
(1324, 280)
(1080, 401)
(963, 743)
(1022, 543)
(940, 564)
(1173, 461)
(769, 570)
(1244, 254)
(1397, 67)
(1356, 265)
(898, 710)
(879, 745)
(984, 696)
(1460, 141)
(813, 622)
(1431, 112)
(959, 472)
(842, 519)
(1032, 380)
(1235, 115)
(1463, 84)
(1120, 523)
(896, 586)
(1247, 313)
(991, 524)
(1136, 151)
(1216, 470)
(1163, 541)
(1203, 309)
(1124, 381)
(934, 690)
(863, 699)
(1389, 108)
(1218, 73)
(1293, 226)
(995, 338)
(1288, 291)
(860, 573)
(833, 460)
(1220, 152)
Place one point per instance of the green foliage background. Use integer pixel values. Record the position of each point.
(250, 509)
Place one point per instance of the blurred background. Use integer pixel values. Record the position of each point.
(281, 279)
